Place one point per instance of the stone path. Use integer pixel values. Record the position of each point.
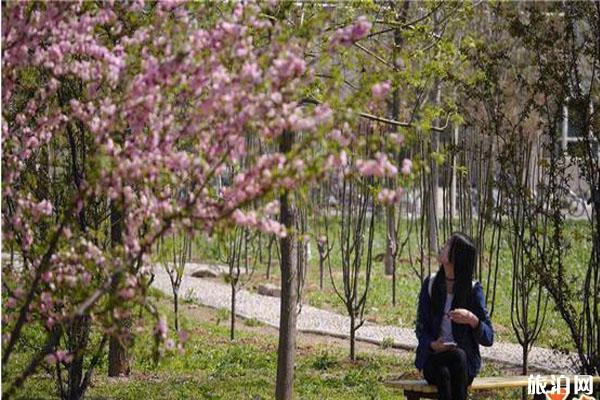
(315, 320)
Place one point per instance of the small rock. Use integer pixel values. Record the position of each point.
(267, 289)
(206, 272)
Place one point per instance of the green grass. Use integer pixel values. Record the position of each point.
(379, 307)
(212, 367)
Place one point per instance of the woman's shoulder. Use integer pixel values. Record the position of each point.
(429, 281)
(431, 277)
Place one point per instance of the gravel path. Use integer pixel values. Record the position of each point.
(315, 320)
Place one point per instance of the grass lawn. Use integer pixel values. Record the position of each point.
(379, 307)
(213, 367)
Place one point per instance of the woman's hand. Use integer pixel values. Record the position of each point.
(438, 346)
(464, 316)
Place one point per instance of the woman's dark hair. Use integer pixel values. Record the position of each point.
(463, 255)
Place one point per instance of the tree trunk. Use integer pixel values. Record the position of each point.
(352, 337)
(525, 368)
(390, 210)
(260, 252)
(434, 178)
(269, 250)
(78, 335)
(453, 184)
(390, 221)
(321, 266)
(232, 325)
(394, 284)
(176, 308)
(289, 286)
(434, 174)
(118, 359)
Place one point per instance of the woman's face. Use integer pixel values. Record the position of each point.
(444, 254)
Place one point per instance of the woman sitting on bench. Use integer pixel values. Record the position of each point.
(452, 321)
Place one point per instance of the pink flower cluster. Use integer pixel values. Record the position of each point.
(336, 161)
(381, 166)
(59, 356)
(388, 196)
(251, 219)
(352, 33)
(172, 127)
(406, 166)
(288, 65)
(380, 90)
(161, 328)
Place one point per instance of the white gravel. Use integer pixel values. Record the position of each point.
(315, 320)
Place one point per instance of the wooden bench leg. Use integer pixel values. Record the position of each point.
(410, 395)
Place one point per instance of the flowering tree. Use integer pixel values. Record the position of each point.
(102, 123)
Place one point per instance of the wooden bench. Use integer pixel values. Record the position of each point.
(420, 389)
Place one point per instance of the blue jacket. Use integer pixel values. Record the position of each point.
(467, 338)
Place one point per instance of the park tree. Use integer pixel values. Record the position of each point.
(234, 251)
(174, 253)
(100, 110)
(525, 76)
(563, 41)
(504, 143)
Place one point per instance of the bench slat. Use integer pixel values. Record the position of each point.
(484, 383)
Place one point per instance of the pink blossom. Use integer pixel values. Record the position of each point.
(27, 240)
(388, 196)
(288, 65)
(183, 335)
(381, 90)
(406, 166)
(272, 207)
(248, 219)
(127, 293)
(270, 226)
(336, 161)
(161, 327)
(338, 136)
(361, 28)
(58, 357)
(50, 322)
(19, 293)
(343, 158)
(323, 114)
(380, 166)
(251, 71)
(43, 208)
(352, 33)
(397, 138)
(276, 97)
(167, 127)
(11, 302)
(299, 165)
(47, 276)
(170, 344)
(169, 4)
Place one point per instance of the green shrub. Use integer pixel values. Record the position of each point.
(324, 361)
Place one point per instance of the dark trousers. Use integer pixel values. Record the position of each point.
(448, 371)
